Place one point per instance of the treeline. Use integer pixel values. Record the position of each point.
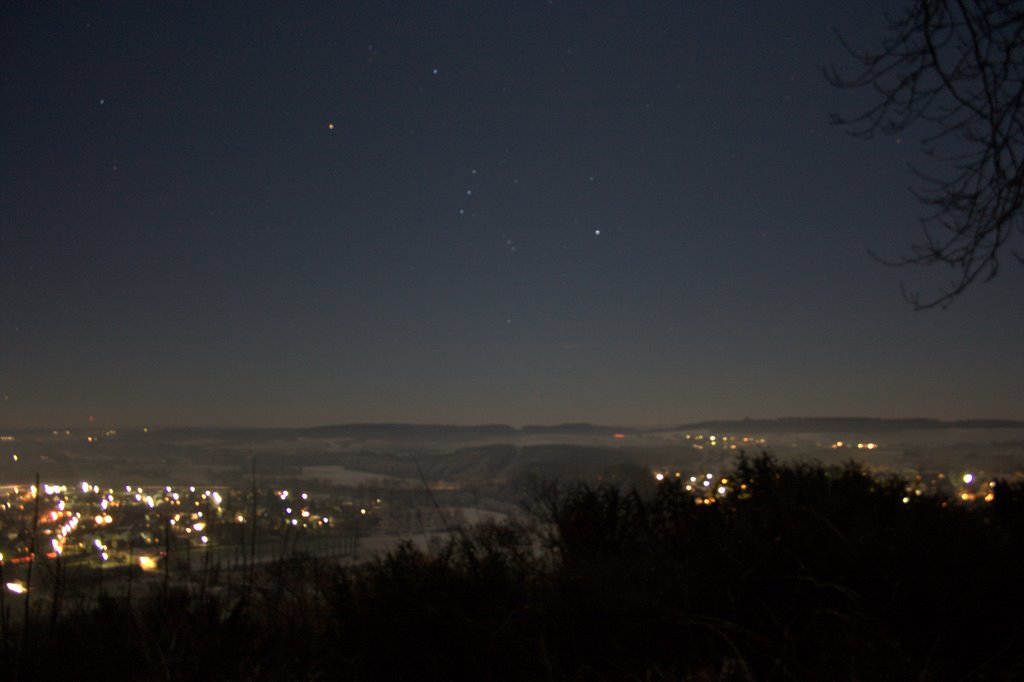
(799, 573)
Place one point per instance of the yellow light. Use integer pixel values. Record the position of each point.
(147, 563)
(17, 587)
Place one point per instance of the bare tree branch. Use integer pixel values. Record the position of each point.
(953, 69)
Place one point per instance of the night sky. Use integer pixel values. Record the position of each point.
(523, 212)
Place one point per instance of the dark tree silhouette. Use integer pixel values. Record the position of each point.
(954, 69)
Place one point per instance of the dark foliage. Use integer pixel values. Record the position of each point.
(799, 573)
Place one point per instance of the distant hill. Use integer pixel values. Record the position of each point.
(414, 432)
(841, 424)
(445, 433)
(582, 428)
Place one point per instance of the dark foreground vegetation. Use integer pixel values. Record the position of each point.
(807, 573)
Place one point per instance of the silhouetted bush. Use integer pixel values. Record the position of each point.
(799, 572)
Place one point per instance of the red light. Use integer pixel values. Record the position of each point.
(619, 435)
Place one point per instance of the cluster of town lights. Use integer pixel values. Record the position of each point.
(102, 510)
